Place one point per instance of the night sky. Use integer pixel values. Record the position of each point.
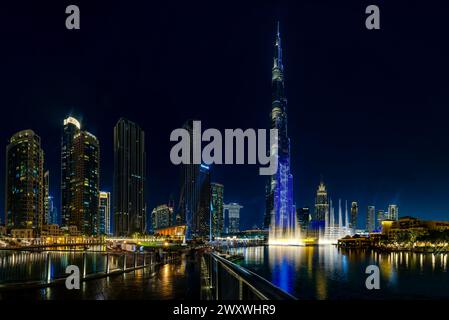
(368, 110)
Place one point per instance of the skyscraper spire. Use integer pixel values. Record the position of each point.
(278, 68)
(280, 215)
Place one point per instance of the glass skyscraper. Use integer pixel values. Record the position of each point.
(24, 203)
(80, 175)
(232, 224)
(217, 191)
(105, 212)
(71, 128)
(354, 214)
(46, 219)
(129, 179)
(161, 217)
(85, 213)
(195, 195)
(370, 219)
(280, 209)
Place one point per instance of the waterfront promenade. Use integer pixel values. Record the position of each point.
(178, 279)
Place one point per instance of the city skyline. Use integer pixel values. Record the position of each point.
(361, 157)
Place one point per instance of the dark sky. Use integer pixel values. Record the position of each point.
(367, 109)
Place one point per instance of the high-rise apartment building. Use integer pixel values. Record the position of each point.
(129, 179)
(217, 191)
(354, 215)
(24, 184)
(370, 219)
(105, 212)
(80, 178)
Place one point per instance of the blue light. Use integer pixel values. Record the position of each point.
(204, 166)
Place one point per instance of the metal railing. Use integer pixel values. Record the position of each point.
(224, 280)
(47, 268)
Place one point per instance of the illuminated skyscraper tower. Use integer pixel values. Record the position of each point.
(129, 179)
(71, 128)
(354, 214)
(80, 176)
(194, 195)
(280, 210)
(105, 213)
(84, 213)
(24, 188)
(321, 206)
(217, 209)
(370, 219)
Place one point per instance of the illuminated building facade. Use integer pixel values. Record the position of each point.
(84, 211)
(71, 128)
(46, 218)
(370, 219)
(24, 189)
(162, 217)
(353, 215)
(129, 179)
(201, 227)
(321, 205)
(380, 217)
(232, 213)
(105, 212)
(280, 213)
(393, 212)
(217, 191)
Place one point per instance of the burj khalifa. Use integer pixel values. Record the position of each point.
(280, 215)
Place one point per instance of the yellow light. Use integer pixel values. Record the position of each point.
(72, 121)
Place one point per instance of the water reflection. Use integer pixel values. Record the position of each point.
(177, 280)
(326, 272)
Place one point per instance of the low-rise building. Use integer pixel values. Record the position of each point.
(51, 230)
(22, 233)
(2, 231)
(413, 225)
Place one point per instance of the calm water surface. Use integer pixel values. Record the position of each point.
(179, 279)
(326, 272)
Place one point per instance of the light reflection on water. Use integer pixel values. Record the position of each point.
(177, 280)
(326, 272)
